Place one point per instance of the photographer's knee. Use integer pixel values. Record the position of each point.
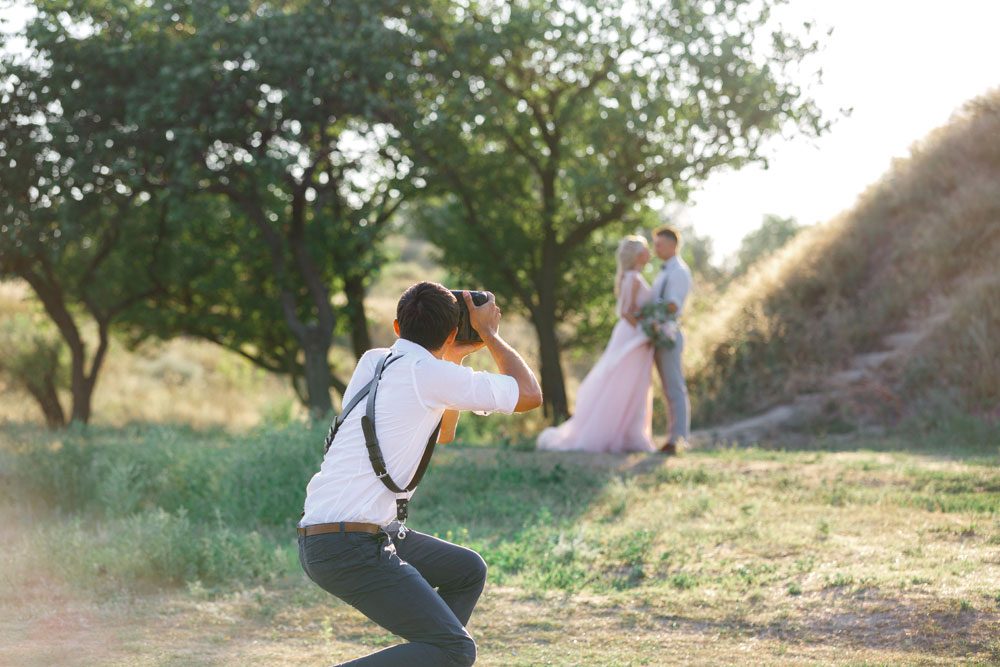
(478, 567)
(465, 655)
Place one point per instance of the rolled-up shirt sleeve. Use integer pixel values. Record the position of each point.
(442, 384)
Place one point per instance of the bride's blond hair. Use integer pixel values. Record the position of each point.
(628, 251)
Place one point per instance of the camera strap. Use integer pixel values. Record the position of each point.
(375, 456)
(353, 403)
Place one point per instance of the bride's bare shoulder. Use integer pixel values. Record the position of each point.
(638, 277)
(634, 279)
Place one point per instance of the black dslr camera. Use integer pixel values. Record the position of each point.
(466, 334)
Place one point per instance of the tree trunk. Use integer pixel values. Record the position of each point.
(544, 314)
(553, 385)
(354, 289)
(80, 410)
(52, 298)
(317, 375)
(44, 392)
(84, 383)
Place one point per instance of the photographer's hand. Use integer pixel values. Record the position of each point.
(456, 354)
(485, 319)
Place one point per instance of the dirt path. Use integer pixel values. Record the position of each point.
(293, 625)
(859, 384)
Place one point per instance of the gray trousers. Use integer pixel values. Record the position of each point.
(668, 363)
(392, 582)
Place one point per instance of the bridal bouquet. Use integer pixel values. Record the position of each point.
(659, 325)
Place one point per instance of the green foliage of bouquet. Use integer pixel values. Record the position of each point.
(659, 324)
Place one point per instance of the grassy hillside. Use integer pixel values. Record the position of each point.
(920, 251)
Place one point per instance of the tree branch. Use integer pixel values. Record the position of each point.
(307, 268)
(276, 249)
(50, 294)
(472, 218)
(600, 75)
(520, 149)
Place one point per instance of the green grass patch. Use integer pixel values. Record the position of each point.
(161, 506)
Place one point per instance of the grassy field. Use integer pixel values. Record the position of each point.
(137, 541)
(157, 545)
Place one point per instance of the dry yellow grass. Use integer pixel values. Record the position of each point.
(203, 385)
(180, 381)
(921, 245)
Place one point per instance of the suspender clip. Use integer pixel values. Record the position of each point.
(402, 511)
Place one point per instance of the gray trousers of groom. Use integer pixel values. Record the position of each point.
(420, 588)
(668, 363)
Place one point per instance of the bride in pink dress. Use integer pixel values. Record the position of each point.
(614, 402)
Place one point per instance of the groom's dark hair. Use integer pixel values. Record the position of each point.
(427, 314)
(669, 232)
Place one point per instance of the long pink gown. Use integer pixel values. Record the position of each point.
(614, 402)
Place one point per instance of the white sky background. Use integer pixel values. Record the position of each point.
(904, 66)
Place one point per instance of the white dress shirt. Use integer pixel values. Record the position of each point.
(412, 396)
(678, 276)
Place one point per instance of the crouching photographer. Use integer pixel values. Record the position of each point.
(353, 537)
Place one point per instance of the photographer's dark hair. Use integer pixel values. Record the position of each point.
(669, 232)
(427, 314)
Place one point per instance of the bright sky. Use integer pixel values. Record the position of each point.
(904, 66)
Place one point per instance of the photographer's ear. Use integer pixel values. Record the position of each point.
(395, 326)
(451, 337)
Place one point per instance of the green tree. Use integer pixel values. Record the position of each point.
(280, 181)
(774, 232)
(545, 126)
(77, 221)
(268, 107)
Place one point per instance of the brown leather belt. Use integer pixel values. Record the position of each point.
(339, 527)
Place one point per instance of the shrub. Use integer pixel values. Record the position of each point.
(155, 548)
(249, 480)
(33, 359)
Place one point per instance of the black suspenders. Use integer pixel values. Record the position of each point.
(371, 442)
(360, 396)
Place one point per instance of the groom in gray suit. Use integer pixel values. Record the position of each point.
(672, 286)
